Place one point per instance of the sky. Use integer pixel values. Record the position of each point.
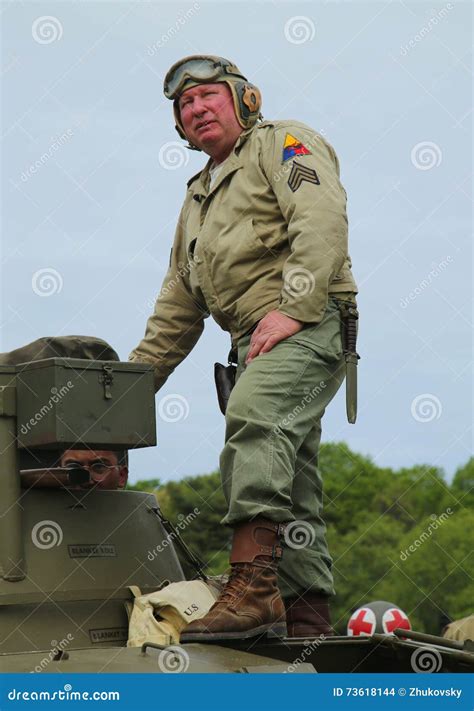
(93, 176)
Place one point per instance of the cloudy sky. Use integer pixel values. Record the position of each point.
(94, 175)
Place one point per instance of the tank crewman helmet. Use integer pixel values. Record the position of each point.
(208, 69)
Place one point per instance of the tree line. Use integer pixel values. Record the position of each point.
(399, 535)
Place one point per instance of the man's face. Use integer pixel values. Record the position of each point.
(104, 470)
(209, 120)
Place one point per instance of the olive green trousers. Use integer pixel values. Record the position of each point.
(269, 464)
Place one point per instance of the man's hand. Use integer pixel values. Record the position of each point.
(273, 328)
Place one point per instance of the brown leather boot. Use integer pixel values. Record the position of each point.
(250, 603)
(308, 616)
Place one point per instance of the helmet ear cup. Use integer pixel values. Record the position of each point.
(248, 102)
(252, 98)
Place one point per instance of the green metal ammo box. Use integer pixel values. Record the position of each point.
(69, 402)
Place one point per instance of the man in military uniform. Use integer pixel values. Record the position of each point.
(108, 470)
(261, 245)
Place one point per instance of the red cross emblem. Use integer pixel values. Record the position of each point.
(394, 618)
(362, 622)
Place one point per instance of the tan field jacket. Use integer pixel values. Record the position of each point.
(270, 234)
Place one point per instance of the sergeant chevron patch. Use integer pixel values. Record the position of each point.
(300, 173)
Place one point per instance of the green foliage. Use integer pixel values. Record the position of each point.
(148, 485)
(351, 484)
(435, 575)
(463, 485)
(361, 558)
(203, 495)
(373, 515)
(358, 492)
(204, 535)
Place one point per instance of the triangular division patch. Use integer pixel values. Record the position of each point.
(300, 173)
(292, 147)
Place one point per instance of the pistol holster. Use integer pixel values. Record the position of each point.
(224, 376)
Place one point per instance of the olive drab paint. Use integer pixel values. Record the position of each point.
(50, 392)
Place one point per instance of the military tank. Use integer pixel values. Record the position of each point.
(69, 556)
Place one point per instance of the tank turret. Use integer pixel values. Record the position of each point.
(69, 554)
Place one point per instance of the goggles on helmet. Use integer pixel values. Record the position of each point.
(203, 70)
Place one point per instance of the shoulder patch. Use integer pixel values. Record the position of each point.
(293, 147)
(300, 173)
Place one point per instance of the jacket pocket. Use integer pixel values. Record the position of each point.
(270, 240)
(238, 249)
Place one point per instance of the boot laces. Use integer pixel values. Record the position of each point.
(237, 583)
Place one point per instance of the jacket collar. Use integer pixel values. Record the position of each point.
(199, 183)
